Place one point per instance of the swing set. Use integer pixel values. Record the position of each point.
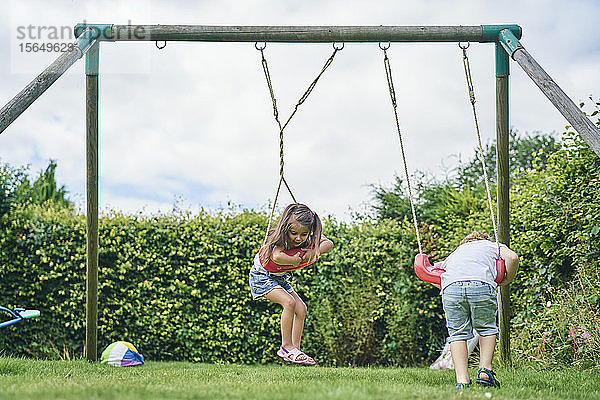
(506, 46)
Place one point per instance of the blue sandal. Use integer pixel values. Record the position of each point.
(463, 385)
(490, 380)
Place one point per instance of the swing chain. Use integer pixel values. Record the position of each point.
(390, 82)
(468, 73)
(314, 82)
(303, 98)
(268, 78)
(306, 93)
(481, 156)
(265, 67)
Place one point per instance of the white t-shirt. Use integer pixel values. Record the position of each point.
(472, 261)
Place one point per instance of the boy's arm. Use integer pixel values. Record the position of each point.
(511, 261)
(279, 257)
(439, 265)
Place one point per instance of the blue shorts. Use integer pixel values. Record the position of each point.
(262, 282)
(470, 305)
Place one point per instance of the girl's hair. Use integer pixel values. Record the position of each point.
(474, 236)
(278, 236)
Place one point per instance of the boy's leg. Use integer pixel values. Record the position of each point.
(485, 375)
(487, 345)
(460, 359)
(460, 329)
(484, 310)
(288, 303)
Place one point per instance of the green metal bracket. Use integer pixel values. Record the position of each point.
(497, 34)
(509, 41)
(502, 61)
(85, 40)
(88, 43)
(492, 32)
(92, 60)
(102, 32)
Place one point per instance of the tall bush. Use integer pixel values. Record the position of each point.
(176, 286)
(556, 225)
(366, 305)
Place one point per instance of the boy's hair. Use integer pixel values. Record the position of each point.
(474, 236)
(278, 236)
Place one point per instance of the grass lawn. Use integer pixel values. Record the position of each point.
(33, 379)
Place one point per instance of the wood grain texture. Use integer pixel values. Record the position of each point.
(37, 87)
(503, 190)
(91, 326)
(582, 124)
(312, 34)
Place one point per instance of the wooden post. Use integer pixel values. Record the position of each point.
(18, 104)
(582, 124)
(91, 316)
(503, 173)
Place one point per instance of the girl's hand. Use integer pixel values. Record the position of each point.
(281, 258)
(311, 255)
(296, 259)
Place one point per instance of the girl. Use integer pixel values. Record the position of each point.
(298, 228)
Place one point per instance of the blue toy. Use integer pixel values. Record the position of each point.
(18, 314)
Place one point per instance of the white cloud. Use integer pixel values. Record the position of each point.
(194, 121)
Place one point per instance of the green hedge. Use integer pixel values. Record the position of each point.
(556, 225)
(176, 286)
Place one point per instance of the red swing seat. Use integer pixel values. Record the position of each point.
(431, 273)
(272, 266)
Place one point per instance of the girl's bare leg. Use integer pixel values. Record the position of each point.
(288, 303)
(299, 318)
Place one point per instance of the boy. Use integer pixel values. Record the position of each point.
(469, 299)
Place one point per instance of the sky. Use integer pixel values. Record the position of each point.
(191, 126)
